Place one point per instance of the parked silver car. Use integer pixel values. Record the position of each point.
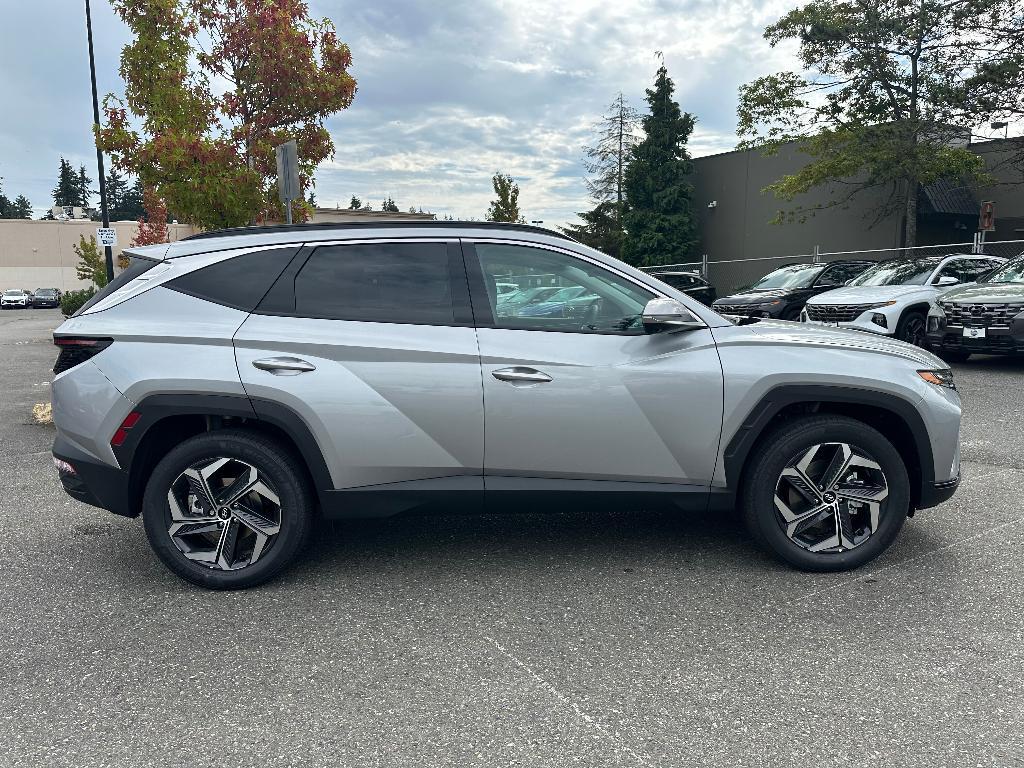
(231, 386)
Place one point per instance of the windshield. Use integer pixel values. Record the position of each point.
(1011, 272)
(793, 276)
(14, 293)
(566, 293)
(898, 272)
(45, 292)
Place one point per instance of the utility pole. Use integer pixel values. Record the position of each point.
(107, 251)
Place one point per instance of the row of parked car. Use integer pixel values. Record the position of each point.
(16, 298)
(955, 304)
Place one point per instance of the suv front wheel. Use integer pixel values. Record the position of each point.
(227, 509)
(826, 493)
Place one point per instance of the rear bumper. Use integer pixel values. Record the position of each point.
(99, 485)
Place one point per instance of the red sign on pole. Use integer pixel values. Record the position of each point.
(987, 219)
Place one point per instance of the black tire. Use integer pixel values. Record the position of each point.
(777, 449)
(792, 314)
(912, 329)
(276, 465)
(954, 357)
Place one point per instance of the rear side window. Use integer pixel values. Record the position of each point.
(135, 268)
(239, 282)
(379, 282)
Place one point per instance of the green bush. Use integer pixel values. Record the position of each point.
(72, 301)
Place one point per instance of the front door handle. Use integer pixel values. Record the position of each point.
(283, 366)
(521, 375)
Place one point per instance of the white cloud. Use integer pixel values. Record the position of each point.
(448, 92)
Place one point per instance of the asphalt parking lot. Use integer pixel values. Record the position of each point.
(636, 638)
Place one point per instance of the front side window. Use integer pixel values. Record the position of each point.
(839, 274)
(564, 293)
(377, 282)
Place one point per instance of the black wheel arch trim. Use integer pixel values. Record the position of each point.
(775, 400)
(158, 407)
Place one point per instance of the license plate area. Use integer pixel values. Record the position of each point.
(974, 333)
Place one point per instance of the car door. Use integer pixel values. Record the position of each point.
(587, 395)
(372, 344)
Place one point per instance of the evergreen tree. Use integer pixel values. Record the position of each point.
(5, 203)
(21, 208)
(355, 204)
(82, 183)
(659, 221)
(601, 229)
(116, 187)
(389, 205)
(66, 191)
(607, 160)
(132, 207)
(506, 207)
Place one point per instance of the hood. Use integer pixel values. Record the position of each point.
(755, 296)
(815, 335)
(984, 293)
(864, 294)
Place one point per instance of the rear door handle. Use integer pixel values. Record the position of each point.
(521, 375)
(283, 366)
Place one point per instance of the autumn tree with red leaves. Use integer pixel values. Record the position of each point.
(152, 228)
(210, 155)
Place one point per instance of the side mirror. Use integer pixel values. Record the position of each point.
(661, 315)
(947, 280)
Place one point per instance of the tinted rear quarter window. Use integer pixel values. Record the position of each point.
(135, 268)
(379, 282)
(239, 282)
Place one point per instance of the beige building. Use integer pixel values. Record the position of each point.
(39, 254)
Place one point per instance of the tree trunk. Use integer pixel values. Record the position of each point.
(910, 236)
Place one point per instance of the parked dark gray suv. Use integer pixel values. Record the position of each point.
(233, 386)
(986, 317)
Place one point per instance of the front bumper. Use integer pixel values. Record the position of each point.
(13, 304)
(936, 493)
(861, 323)
(998, 339)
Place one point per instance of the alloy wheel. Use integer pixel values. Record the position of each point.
(223, 514)
(913, 332)
(829, 498)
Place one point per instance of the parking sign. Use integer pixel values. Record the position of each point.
(106, 236)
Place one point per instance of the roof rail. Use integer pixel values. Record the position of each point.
(255, 230)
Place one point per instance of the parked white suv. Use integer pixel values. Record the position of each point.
(893, 297)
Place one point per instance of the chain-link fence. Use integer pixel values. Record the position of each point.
(750, 269)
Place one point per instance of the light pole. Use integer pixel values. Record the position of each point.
(107, 252)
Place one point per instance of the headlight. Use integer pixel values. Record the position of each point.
(942, 377)
(770, 304)
(881, 304)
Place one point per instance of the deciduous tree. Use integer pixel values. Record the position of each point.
(888, 96)
(506, 207)
(209, 151)
(659, 220)
(153, 227)
(91, 263)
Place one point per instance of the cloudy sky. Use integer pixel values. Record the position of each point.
(449, 91)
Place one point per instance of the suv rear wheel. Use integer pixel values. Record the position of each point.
(227, 510)
(826, 493)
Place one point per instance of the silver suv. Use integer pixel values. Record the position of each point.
(233, 386)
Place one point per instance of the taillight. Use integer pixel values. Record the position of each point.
(122, 432)
(75, 350)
